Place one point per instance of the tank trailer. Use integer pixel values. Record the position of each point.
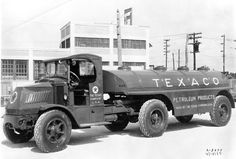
(75, 93)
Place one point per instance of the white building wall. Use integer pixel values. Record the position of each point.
(109, 31)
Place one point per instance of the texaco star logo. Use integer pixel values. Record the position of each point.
(95, 89)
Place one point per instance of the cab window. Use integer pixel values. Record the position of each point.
(86, 68)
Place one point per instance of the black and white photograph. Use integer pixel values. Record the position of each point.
(118, 79)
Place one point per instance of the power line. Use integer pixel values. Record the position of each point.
(208, 38)
(231, 40)
(168, 35)
(36, 16)
(175, 34)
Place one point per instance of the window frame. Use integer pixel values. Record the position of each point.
(19, 69)
(130, 44)
(92, 42)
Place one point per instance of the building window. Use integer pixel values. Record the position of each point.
(91, 42)
(7, 69)
(65, 32)
(37, 69)
(131, 44)
(65, 43)
(68, 43)
(105, 63)
(14, 70)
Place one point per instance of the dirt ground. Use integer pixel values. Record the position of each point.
(197, 139)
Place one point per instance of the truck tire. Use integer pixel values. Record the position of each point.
(184, 119)
(18, 136)
(221, 111)
(52, 131)
(153, 118)
(118, 125)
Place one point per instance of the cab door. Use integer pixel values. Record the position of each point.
(96, 102)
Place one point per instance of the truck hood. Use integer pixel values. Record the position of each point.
(28, 99)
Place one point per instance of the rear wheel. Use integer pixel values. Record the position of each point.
(52, 131)
(221, 112)
(119, 124)
(153, 118)
(17, 136)
(184, 119)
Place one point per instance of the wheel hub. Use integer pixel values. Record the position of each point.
(56, 131)
(223, 112)
(156, 118)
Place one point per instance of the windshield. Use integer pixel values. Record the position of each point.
(58, 69)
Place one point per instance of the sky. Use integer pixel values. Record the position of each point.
(37, 23)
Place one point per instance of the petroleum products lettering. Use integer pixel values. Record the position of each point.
(193, 98)
(206, 97)
(184, 99)
(182, 82)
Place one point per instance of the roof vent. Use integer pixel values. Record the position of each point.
(126, 68)
(183, 68)
(160, 68)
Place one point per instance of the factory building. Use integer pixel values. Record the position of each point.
(22, 66)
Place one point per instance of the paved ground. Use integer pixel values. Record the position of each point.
(198, 140)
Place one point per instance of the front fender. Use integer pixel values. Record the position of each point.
(66, 110)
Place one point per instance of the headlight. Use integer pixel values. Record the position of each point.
(65, 96)
(13, 97)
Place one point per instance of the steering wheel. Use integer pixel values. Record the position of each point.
(74, 79)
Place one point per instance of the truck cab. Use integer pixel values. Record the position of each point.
(80, 88)
(81, 78)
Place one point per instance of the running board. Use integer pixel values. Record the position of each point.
(93, 124)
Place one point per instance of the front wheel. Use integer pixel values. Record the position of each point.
(17, 136)
(52, 131)
(153, 118)
(184, 119)
(221, 112)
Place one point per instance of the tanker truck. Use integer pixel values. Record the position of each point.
(75, 93)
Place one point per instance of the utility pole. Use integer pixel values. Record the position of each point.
(166, 51)
(173, 57)
(186, 50)
(178, 58)
(195, 46)
(119, 42)
(223, 44)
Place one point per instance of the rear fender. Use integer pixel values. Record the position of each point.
(229, 96)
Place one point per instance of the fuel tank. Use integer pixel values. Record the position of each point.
(151, 81)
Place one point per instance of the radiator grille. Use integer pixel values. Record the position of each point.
(36, 97)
